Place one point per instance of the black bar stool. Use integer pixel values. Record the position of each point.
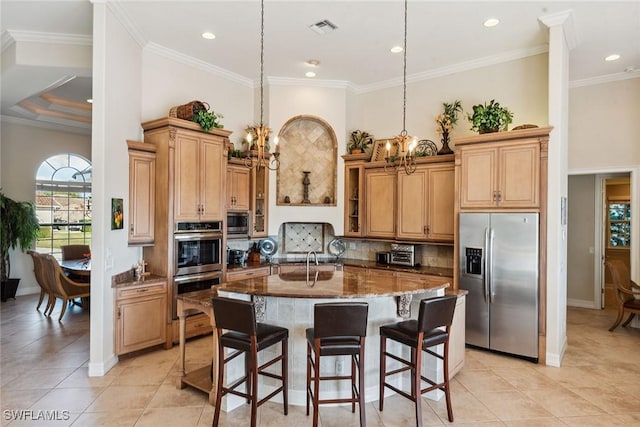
(339, 329)
(247, 336)
(420, 335)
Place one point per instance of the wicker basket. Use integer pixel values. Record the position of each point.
(187, 111)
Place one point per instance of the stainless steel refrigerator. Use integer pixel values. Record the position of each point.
(499, 268)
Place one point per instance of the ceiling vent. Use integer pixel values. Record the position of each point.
(323, 27)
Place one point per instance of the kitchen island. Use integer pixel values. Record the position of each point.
(287, 300)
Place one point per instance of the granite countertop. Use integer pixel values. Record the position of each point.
(331, 284)
(127, 278)
(432, 271)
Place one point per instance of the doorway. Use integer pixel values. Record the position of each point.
(601, 210)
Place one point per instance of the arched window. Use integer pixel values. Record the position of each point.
(63, 202)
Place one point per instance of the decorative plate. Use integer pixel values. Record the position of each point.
(426, 147)
(268, 247)
(337, 247)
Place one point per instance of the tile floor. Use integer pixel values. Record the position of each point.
(43, 368)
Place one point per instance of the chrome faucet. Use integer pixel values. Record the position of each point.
(315, 257)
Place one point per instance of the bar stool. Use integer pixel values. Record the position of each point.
(420, 335)
(339, 329)
(247, 336)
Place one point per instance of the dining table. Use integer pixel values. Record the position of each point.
(78, 268)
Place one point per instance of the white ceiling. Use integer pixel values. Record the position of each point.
(443, 37)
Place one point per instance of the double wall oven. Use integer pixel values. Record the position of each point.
(197, 257)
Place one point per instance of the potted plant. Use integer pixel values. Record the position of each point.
(359, 141)
(490, 117)
(207, 119)
(18, 227)
(446, 121)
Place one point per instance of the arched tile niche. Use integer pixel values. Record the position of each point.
(307, 144)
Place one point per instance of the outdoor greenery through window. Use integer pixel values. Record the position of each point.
(620, 223)
(63, 203)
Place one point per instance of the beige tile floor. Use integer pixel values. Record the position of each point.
(43, 368)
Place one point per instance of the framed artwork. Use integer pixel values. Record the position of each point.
(117, 216)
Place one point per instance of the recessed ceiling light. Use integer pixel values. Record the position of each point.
(312, 63)
(209, 36)
(90, 101)
(310, 74)
(491, 22)
(397, 49)
(613, 57)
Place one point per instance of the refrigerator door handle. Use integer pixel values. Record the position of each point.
(486, 277)
(490, 264)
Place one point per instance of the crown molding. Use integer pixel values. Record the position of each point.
(84, 130)
(14, 36)
(126, 21)
(456, 68)
(196, 63)
(609, 78)
(565, 20)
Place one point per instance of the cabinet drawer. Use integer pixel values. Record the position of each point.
(248, 274)
(140, 291)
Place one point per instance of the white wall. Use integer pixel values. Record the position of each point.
(329, 104)
(24, 148)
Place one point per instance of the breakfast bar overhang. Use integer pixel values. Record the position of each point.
(287, 300)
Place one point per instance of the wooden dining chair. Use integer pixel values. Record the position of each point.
(75, 252)
(62, 286)
(626, 300)
(42, 280)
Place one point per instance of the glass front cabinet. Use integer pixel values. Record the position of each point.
(353, 209)
(259, 202)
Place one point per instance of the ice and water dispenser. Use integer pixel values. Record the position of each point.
(473, 258)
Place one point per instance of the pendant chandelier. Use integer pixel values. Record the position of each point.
(405, 143)
(262, 158)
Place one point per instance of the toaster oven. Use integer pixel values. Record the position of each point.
(408, 255)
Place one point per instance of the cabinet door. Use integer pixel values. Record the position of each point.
(440, 205)
(412, 204)
(187, 179)
(353, 184)
(238, 183)
(519, 176)
(259, 202)
(141, 323)
(380, 210)
(142, 181)
(478, 184)
(212, 178)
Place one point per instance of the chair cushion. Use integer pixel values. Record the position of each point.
(267, 335)
(406, 332)
(335, 346)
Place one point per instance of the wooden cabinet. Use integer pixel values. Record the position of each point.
(500, 175)
(419, 206)
(238, 183)
(457, 338)
(380, 203)
(142, 181)
(353, 196)
(248, 273)
(141, 316)
(198, 177)
(259, 203)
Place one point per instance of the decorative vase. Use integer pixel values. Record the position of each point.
(445, 144)
(305, 183)
(485, 130)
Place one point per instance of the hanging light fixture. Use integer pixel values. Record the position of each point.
(263, 158)
(406, 144)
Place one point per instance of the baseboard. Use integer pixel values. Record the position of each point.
(100, 369)
(554, 359)
(579, 303)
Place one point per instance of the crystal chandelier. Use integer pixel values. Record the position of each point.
(263, 158)
(406, 144)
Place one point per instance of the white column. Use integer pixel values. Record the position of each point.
(561, 41)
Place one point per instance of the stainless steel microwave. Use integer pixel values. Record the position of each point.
(237, 224)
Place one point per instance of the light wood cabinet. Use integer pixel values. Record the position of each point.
(198, 178)
(142, 181)
(248, 273)
(259, 202)
(457, 338)
(353, 195)
(238, 184)
(380, 203)
(441, 203)
(141, 319)
(500, 175)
